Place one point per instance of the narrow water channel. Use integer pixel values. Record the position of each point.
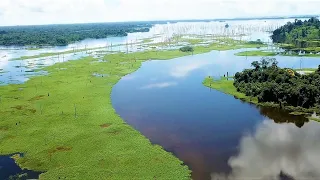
(214, 133)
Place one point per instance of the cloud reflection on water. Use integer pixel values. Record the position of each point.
(184, 70)
(159, 85)
(3, 64)
(274, 149)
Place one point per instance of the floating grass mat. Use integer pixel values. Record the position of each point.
(255, 53)
(69, 118)
(64, 115)
(268, 53)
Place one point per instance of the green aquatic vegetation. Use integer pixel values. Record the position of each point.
(267, 53)
(303, 55)
(298, 113)
(60, 54)
(314, 119)
(41, 55)
(228, 44)
(77, 133)
(226, 86)
(33, 48)
(69, 118)
(255, 53)
(147, 40)
(307, 69)
(192, 41)
(223, 47)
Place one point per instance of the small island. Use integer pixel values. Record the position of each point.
(268, 85)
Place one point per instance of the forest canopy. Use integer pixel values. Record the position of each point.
(301, 34)
(61, 35)
(269, 83)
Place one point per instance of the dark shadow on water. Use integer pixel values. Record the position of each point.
(10, 170)
(281, 116)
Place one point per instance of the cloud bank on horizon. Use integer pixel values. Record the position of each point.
(21, 12)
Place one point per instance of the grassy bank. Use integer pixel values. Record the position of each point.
(67, 115)
(33, 48)
(42, 55)
(227, 87)
(225, 44)
(255, 53)
(65, 124)
(266, 53)
(306, 70)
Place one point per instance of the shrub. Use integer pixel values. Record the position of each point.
(187, 49)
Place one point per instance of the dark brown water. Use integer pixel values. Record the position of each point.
(214, 133)
(10, 170)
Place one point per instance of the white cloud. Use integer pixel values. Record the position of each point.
(13, 12)
(183, 70)
(276, 148)
(159, 85)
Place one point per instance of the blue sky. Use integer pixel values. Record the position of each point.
(20, 12)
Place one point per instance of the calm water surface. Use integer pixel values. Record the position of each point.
(8, 168)
(214, 133)
(20, 71)
(211, 132)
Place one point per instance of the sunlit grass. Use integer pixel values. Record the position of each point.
(147, 40)
(226, 86)
(266, 53)
(255, 53)
(33, 48)
(66, 126)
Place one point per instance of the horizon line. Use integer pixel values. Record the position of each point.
(181, 20)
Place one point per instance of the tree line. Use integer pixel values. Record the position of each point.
(286, 87)
(301, 34)
(61, 35)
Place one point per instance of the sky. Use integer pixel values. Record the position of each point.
(23, 12)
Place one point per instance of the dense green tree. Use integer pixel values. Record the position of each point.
(187, 49)
(61, 35)
(300, 34)
(256, 64)
(270, 83)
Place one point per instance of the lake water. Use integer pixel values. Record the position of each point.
(213, 132)
(20, 71)
(9, 168)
